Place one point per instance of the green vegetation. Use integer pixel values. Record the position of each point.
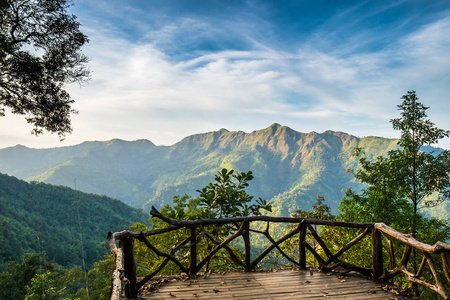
(290, 167)
(223, 198)
(227, 198)
(41, 252)
(37, 278)
(38, 217)
(406, 179)
(421, 173)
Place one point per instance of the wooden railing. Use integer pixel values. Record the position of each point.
(126, 285)
(410, 244)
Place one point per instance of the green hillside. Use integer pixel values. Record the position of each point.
(290, 167)
(38, 216)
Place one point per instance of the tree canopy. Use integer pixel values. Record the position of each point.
(40, 52)
(226, 197)
(422, 173)
(406, 174)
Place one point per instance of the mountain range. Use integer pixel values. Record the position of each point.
(290, 168)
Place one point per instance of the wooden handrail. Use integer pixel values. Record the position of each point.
(438, 247)
(126, 286)
(427, 250)
(204, 222)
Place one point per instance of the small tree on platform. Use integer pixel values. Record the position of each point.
(223, 198)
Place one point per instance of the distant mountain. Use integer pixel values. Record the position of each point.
(290, 167)
(38, 217)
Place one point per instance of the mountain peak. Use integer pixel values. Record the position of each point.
(276, 128)
(124, 143)
(275, 125)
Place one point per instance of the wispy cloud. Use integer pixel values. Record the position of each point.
(308, 83)
(235, 77)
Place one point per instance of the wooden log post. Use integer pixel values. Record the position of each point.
(117, 287)
(377, 254)
(446, 264)
(129, 267)
(302, 246)
(246, 237)
(193, 250)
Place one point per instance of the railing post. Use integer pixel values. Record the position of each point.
(446, 264)
(302, 246)
(377, 254)
(193, 249)
(129, 266)
(246, 236)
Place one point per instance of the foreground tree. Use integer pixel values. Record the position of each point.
(319, 211)
(384, 199)
(406, 174)
(39, 53)
(405, 180)
(226, 197)
(422, 173)
(223, 198)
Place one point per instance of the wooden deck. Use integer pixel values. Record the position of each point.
(281, 284)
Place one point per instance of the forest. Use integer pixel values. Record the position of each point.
(56, 229)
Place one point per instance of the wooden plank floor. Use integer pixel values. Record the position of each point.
(282, 284)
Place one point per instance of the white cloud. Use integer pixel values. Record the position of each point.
(139, 91)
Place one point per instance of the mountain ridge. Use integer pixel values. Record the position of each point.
(286, 164)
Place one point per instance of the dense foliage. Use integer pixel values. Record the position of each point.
(224, 197)
(35, 277)
(38, 217)
(407, 178)
(404, 181)
(39, 53)
(420, 174)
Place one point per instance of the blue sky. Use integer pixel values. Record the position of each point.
(166, 69)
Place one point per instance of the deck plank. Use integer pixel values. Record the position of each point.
(283, 284)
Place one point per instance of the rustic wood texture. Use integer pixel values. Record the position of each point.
(129, 266)
(377, 254)
(438, 247)
(283, 284)
(117, 286)
(203, 222)
(411, 245)
(125, 279)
